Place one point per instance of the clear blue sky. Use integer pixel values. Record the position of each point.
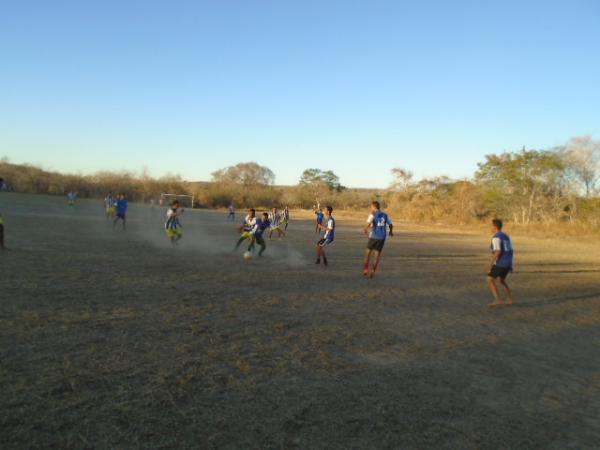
(357, 87)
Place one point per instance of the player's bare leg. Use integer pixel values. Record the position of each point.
(321, 254)
(367, 262)
(376, 263)
(239, 242)
(509, 297)
(492, 284)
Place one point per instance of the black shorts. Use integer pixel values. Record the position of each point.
(324, 242)
(501, 272)
(121, 216)
(376, 244)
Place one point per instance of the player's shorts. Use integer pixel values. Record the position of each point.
(173, 232)
(246, 235)
(324, 242)
(499, 272)
(110, 210)
(376, 244)
(121, 216)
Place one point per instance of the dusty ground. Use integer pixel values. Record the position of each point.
(111, 339)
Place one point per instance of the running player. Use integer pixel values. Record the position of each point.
(376, 228)
(275, 219)
(328, 236)
(286, 217)
(231, 215)
(501, 263)
(109, 202)
(121, 209)
(319, 222)
(173, 224)
(247, 227)
(71, 197)
(257, 233)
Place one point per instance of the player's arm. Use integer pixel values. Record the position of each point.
(496, 251)
(368, 225)
(391, 225)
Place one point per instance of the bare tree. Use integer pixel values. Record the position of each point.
(582, 157)
(402, 179)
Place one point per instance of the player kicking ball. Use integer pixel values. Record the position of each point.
(328, 236)
(247, 227)
(173, 223)
(257, 234)
(501, 264)
(376, 228)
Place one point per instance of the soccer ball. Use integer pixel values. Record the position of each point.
(247, 255)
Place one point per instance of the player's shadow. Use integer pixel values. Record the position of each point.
(557, 301)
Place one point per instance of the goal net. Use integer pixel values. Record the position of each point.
(186, 201)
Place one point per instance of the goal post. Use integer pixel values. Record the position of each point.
(185, 200)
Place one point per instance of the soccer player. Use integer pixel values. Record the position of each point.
(71, 197)
(247, 227)
(376, 228)
(173, 224)
(275, 219)
(257, 234)
(328, 236)
(319, 222)
(231, 215)
(501, 263)
(109, 202)
(121, 209)
(286, 217)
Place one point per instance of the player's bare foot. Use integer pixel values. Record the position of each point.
(372, 275)
(495, 304)
(366, 273)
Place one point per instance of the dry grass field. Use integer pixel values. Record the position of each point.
(112, 339)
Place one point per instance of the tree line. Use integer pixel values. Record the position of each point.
(525, 187)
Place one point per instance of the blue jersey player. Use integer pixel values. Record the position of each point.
(121, 210)
(320, 218)
(328, 236)
(257, 232)
(376, 228)
(501, 263)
